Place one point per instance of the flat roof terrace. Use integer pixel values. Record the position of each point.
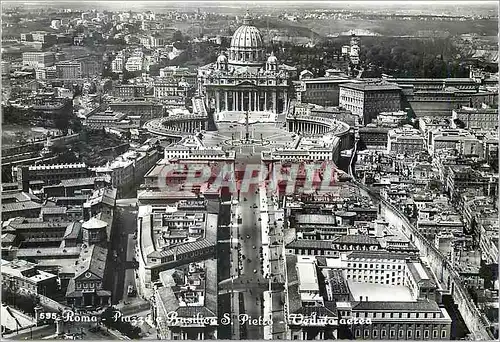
(380, 292)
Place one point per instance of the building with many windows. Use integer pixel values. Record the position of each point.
(309, 312)
(107, 118)
(129, 91)
(69, 70)
(405, 140)
(448, 138)
(49, 174)
(46, 38)
(368, 100)
(170, 87)
(134, 63)
(189, 291)
(24, 276)
(128, 169)
(476, 118)
(146, 109)
(323, 91)
(402, 320)
(39, 59)
(173, 234)
(322, 292)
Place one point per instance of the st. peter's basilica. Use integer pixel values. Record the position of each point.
(246, 78)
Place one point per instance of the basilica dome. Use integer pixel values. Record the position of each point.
(247, 45)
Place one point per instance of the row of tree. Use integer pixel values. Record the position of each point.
(402, 57)
(23, 302)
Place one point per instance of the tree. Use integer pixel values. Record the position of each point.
(177, 36)
(62, 123)
(459, 123)
(108, 316)
(76, 125)
(24, 302)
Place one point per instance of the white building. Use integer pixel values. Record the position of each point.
(405, 140)
(192, 148)
(5, 68)
(39, 59)
(307, 149)
(391, 119)
(459, 139)
(134, 63)
(129, 168)
(55, 24)
(117, 64)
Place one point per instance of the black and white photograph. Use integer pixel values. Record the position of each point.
(249, 170)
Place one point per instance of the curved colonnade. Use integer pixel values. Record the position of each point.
(179, 125)
(190, 123)
(317, 126)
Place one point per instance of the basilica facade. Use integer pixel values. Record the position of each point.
(245, 78)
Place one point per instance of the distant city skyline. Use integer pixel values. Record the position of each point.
(422, 7)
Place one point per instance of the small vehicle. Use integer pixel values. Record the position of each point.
(248, 236)
(253, 247)
(131, 292)
(254, 271)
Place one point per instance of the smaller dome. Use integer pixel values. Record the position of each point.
(272, 59)
(222, 58)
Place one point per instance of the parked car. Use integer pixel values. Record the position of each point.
(131, 292)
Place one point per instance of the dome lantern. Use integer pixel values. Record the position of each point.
(247, 19)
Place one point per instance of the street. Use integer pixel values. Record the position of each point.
(124, 266)
(246, 241)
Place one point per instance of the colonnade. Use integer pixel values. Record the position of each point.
(319, 336)
(307, 127)
(184, 335)
(188, 126)
(249, 99)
